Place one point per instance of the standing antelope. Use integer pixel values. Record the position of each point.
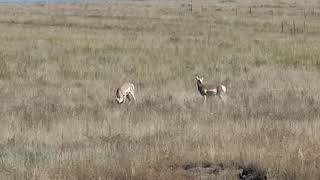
(124, 92)
(210, 89)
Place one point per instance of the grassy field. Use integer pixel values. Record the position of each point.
(60, 65)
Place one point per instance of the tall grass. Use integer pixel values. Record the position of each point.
(60, 65)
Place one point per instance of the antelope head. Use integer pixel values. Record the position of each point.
(199, 80)
(118, 97)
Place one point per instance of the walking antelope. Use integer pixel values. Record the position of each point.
(125, 91)
(210, 89)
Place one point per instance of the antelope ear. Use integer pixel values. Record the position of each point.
(197, 78)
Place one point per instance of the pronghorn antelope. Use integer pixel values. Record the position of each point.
(125, 91)
(210, 89)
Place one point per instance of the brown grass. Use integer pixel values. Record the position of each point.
(60, 65)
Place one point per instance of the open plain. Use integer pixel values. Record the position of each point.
(60, 65)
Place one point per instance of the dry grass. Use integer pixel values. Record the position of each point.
(60, 65)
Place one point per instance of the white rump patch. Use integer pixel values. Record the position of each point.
(224, 89)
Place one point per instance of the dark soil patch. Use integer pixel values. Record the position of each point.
(209, 170)
(252, 173)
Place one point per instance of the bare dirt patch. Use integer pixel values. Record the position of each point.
(210, 170)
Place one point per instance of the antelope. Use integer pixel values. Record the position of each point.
(210, 89)
(125, 91)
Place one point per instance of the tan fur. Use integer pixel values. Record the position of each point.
(210, 89)
(125, 91)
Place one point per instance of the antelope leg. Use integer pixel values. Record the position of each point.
(134, 98)
(222, 98)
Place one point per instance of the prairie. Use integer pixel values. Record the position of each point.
(60, 65)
